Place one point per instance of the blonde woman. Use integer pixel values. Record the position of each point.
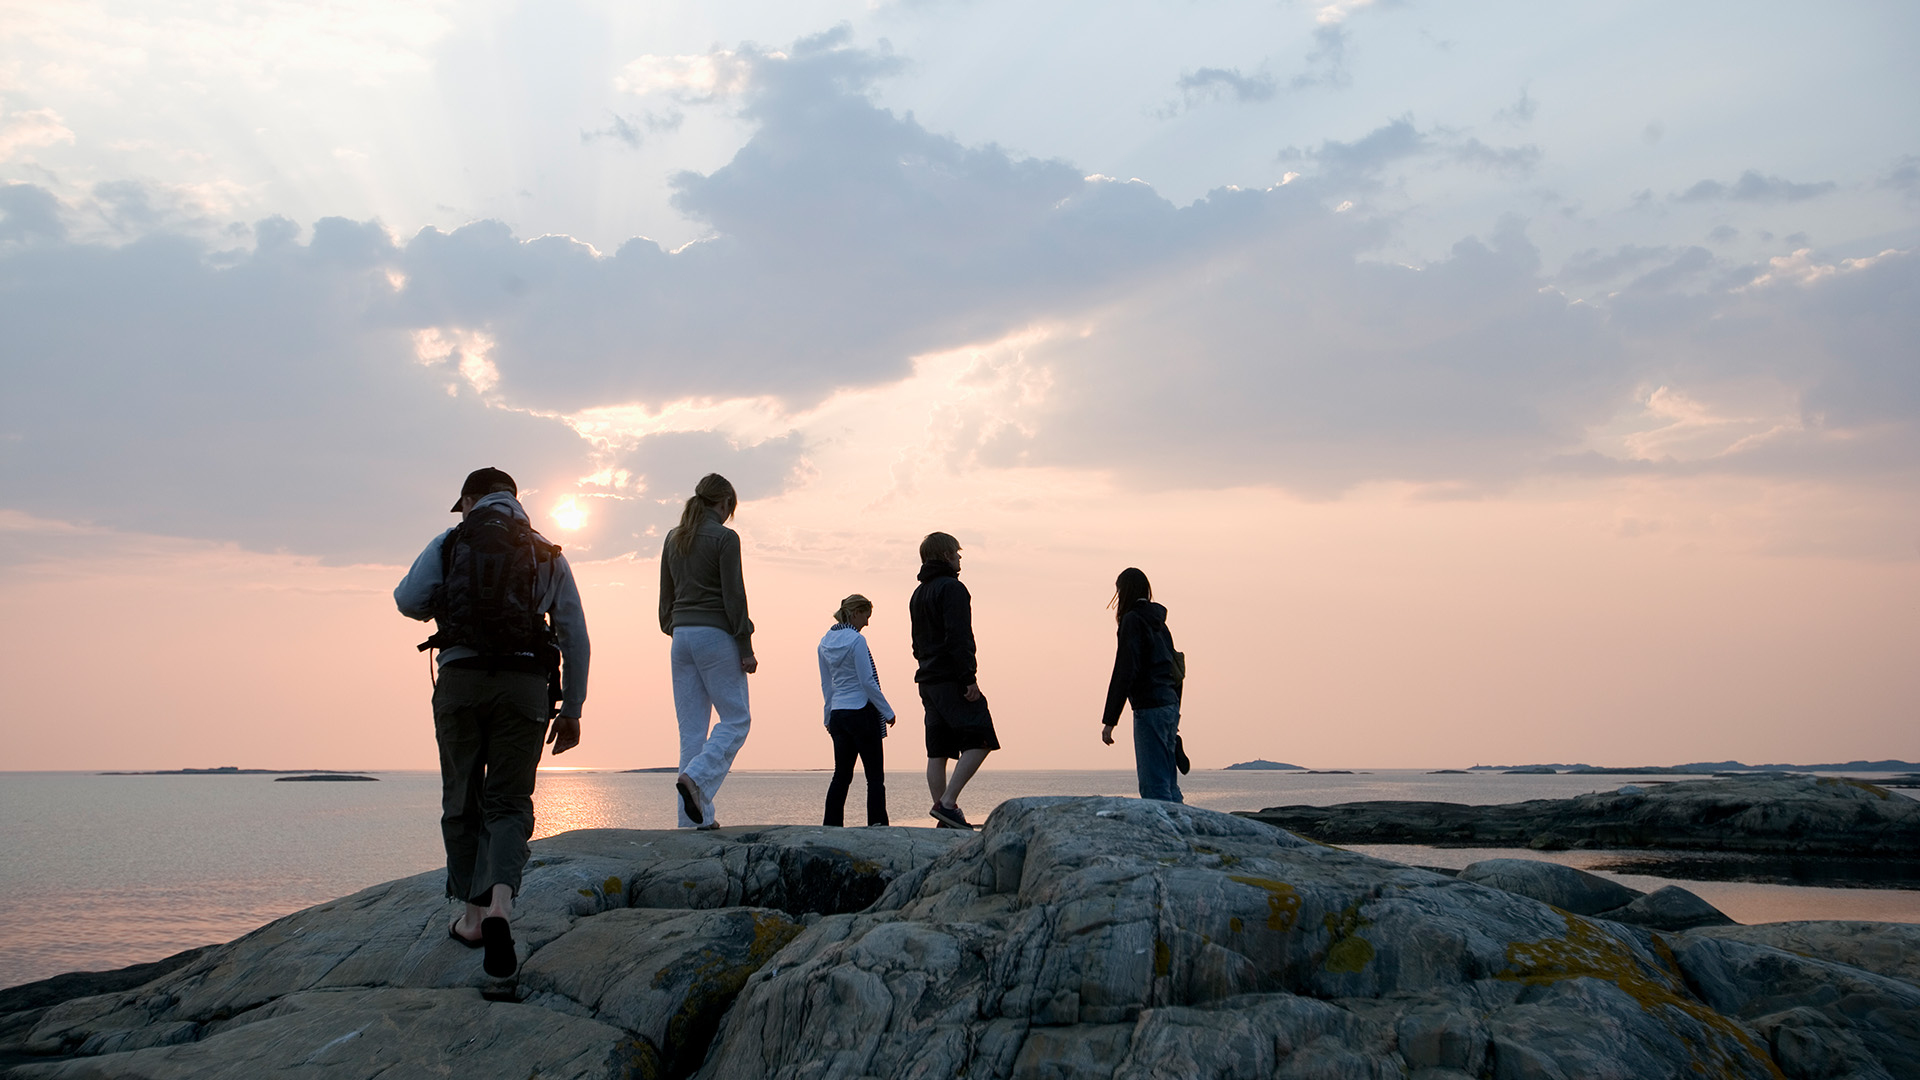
(857, 713)
(703, 607)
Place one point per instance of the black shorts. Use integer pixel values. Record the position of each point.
(955, 724)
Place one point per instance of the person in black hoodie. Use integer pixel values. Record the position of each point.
(1145, 673)
(958, 723)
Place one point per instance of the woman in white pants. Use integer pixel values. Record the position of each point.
(703, 606)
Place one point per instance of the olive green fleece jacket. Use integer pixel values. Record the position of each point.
(703, 587)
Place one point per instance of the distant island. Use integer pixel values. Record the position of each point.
(1263, 763)
(1705, 768)
(227, 770)
(657, 768)
(323, 776)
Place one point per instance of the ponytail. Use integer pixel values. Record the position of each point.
(850, 605)
(712, 494)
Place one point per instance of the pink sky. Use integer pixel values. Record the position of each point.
(1465, 401)
(1384, 630)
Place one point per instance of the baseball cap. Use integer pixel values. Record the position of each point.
(482, 481)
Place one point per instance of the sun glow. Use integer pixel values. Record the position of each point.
(569, 514)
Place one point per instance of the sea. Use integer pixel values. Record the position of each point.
(101, 871)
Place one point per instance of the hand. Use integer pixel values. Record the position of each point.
(1106, 734)
(564, 734)
(749, 665)
(972, 692)
(891, 719)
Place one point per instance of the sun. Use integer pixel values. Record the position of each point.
(569, 514)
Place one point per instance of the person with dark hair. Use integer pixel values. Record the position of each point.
(857, 713)
(1147, 673)
(512, 640)
(703, 607)
(959, 726)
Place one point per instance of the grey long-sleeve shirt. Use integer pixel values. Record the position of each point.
(560, 599)
(703, 587)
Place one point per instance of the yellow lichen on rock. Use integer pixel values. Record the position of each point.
(1587, 952)
(1871, 789)
(1283, 903)
(1348, 952)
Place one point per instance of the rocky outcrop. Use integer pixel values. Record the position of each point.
(1670, 908)
(635, 943)
(1550, 883)
(1889, 949)
(1116, 938)
(1071, 938)
(1759, 814)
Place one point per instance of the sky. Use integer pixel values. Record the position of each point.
(1489, 383)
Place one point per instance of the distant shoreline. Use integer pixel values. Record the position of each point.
(230, 770)
(1255, 765)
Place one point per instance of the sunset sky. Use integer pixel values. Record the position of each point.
(1518, 383)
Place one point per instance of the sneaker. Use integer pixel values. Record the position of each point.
(690, 798)
(707, 827)
(950, 817)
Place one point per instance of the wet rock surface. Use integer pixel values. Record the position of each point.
(1072, 937)
(1793, 815)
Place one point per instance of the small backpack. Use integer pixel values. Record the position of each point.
(489, 599)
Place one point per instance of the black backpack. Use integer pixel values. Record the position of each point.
(489, 599)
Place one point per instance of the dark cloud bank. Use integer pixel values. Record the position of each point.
(272, 395)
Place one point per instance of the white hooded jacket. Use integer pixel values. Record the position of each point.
(848, 678)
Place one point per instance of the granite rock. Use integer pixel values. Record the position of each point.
(637, 940)
(1550, 883)
(1070, 938)
(1669, 908)
(1764, 814)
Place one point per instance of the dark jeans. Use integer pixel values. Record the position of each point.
(1154, 731)
(857, 733)
(490, 726)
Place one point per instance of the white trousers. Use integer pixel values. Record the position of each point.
(707, 679)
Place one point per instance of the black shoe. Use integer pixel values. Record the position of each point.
(1180, 757)
(690, 796)
(454, 933)
(950, 817)
(498, 939)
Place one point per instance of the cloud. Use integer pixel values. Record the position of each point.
(28, 213)
(1513, 159)
(1904, 177)
(703, 77)
(1591, 266)
(1753, 187)
(275, 401)
(1520, 113)
(633, 130)
(1210, 84)
(1364, 159)
(26, 129)
(321, 395)
(1327, 60)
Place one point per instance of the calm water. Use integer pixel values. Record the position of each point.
(101, 871)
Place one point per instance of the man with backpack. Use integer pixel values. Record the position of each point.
(513, 643)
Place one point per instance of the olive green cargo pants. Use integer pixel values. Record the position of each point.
(491, 726)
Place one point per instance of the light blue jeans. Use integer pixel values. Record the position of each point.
(1153, 733)
(707, 679)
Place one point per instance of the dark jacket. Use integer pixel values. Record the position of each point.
(942, 611)
(704, 586)
(1143, 665)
